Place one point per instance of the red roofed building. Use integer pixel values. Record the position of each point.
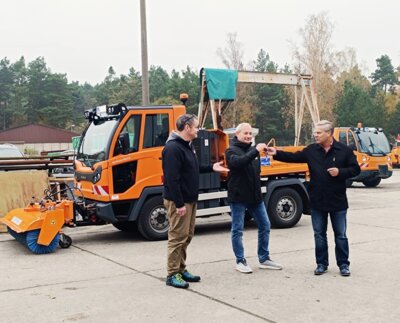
(37, 138)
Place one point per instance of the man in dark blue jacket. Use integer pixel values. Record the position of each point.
(181, 190)
(330, 163)
(244, 193)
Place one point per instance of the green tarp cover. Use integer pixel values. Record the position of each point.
(75, 142)
(221, 84)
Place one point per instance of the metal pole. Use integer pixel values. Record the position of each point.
(3, 103)
(145, 69)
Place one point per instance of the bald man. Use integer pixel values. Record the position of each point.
(244, 193)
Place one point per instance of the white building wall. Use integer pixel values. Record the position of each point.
(38, 148)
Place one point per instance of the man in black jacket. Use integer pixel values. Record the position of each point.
(181, 186)
(330, 163)
(244, 193)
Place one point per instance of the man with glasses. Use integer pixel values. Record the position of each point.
(330, 163)
(181, 186)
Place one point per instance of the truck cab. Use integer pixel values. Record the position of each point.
(372, 150)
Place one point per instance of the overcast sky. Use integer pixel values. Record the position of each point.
(82, 38)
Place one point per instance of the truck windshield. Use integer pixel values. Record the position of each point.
(95, 141)
(373, 143)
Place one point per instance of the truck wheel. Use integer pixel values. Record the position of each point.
(285, 208)
(153, 221)
(126, 226)
(372, 182)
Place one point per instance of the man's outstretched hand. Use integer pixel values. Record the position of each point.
(217, 167)
(271, 151)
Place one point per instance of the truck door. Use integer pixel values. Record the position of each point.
(351, 142)
(136, 160)
(346, 137)
(123, 161)
(155, 134)
(343, 137)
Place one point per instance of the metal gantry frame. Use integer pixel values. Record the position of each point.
(303, 83)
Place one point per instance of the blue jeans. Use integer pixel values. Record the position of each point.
(320, 225)
(260, 216)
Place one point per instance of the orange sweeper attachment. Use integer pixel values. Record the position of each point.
(38, 225)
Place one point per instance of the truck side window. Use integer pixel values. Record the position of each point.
(352, 142)
(128, 138)
(342, 137)
(156, 130)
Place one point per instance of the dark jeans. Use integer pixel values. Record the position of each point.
(260, 216)
(320, 225)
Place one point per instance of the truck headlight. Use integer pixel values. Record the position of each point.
(96, 177)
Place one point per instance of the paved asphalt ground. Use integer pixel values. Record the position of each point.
(110, 276)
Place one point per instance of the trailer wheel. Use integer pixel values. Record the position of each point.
(372, 182)
(285, 208)
(65, 241)
(153, 220)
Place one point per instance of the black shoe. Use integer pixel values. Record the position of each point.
(321, 269)
(188, 277)
(344, 270)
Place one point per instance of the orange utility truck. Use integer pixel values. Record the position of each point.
(396, 152)
(372, 150)
(119, 176)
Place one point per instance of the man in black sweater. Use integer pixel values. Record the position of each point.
(330, 163)
(181, 189)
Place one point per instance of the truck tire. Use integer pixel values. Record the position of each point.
(372, 182)
(285, 208)
(126, 226)
(153, 220)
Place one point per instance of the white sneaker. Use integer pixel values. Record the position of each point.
(269, 264)
(244, 268)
